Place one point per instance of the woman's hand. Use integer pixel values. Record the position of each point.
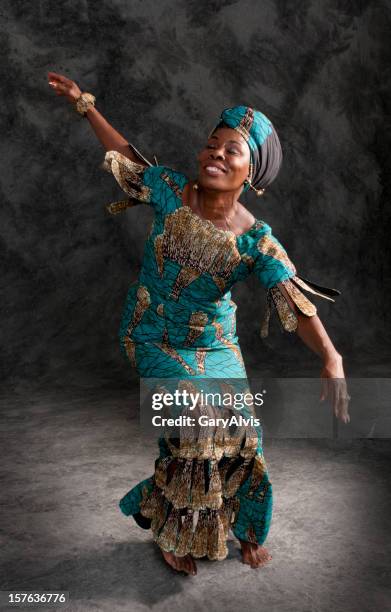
(334, 386)
(106, 134)
(64, 87)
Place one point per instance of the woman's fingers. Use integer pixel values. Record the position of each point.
(64, 86)
(54, 80)
(344, 406)
(59, 82)
(342, 402)
(57, 85)
(337, 396)
(335, 389)
(59, 77)
(59, 88)
(324, 391)
(338, 387)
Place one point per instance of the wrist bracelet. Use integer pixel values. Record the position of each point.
(84, 102)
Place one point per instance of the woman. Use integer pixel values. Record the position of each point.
(179, 322)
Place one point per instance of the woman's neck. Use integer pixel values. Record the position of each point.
(216, 206)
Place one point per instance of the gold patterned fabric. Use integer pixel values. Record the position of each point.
(129, 175)
(193, 498)
(289, 318)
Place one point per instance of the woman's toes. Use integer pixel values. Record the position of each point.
(193, 566)
(185, 565)
(262, 556)
(247, 557)
(255, 556)
(189, 565)
(255, 561)
(175, 563)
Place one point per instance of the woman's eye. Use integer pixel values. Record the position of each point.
(229, 150)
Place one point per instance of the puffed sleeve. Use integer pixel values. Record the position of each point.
(278, 274)
(135, 179)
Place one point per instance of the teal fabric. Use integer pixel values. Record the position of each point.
(201, 294)
(130, 503)
(255, 511)
(218, 340)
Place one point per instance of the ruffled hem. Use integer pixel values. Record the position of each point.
(194, 496)
(201, 533)
(192, 503)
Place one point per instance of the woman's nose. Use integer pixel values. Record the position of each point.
(217, 153)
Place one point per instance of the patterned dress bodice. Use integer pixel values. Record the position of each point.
(189, 266)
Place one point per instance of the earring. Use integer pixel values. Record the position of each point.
(259, 192)
(195, 186)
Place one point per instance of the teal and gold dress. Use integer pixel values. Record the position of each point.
(179, 322)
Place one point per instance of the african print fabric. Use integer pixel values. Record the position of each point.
(179, 320)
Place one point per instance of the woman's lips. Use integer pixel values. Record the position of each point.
(213, 171)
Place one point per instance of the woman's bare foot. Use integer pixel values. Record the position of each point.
(254, 555)
(181, 564)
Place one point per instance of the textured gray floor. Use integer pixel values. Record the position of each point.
(69, 455)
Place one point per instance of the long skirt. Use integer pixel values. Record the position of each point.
(210, 478)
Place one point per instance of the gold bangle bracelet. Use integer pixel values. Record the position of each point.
(84, 102)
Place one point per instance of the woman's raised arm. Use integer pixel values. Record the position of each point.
(106, 134)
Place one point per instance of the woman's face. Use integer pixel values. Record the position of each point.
(224, 161)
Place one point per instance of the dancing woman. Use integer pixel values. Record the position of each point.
(179, 322)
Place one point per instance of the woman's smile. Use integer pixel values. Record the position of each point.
(212, 170)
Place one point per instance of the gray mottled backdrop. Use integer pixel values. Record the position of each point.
(162, 72)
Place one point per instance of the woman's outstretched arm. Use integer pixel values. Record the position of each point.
(312, 332)
(106, 134)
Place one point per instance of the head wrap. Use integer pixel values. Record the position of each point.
(262, 139)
